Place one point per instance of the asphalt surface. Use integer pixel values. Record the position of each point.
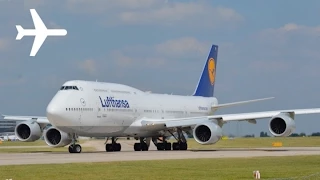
(127, 154)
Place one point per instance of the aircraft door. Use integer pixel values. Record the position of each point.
(99, 110)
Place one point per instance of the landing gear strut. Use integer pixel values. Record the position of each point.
(182, 142)
(74, 148)
(113, 146)
(143, 145)
(164, 145)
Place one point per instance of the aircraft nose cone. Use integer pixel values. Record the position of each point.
(54, 114)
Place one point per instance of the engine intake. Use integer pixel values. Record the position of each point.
(282, 125)
(28, 131)
(207, 133)
(56, 138)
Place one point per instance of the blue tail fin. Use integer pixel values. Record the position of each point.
(207, 79)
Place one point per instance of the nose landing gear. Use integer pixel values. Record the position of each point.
(74, 148)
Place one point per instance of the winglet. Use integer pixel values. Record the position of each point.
(20, 32)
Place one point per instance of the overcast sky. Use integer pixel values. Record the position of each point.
(266, 48)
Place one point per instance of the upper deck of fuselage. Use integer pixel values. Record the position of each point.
(115, 89)
(103, 86)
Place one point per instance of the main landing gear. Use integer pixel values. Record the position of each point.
(113, 146)
(74, 148)
(181, 143)
(164, 145)
(143, 145)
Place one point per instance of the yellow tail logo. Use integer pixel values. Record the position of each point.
(212, 70)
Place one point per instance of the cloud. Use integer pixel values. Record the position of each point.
(181, 12)
(125, 59)
(13, 81)
(270, 66)
(34, 3)
(161, 54)
(52, 81)
(167, 54)
(285, 49)
(157, 12)
(88, 66)
(294, 28)
(290, 33)
(182, 46)
(102, 6)
(4, 44)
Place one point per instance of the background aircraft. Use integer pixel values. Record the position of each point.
(97, 109)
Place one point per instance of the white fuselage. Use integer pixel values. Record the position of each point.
(106, 109)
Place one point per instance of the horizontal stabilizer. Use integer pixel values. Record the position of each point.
(20, 32)
(239, 103)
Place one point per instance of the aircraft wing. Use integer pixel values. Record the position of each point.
(239, 103)
(160, 124)
(37, 43)
(39, 119)
(40, 28)
(37, 21)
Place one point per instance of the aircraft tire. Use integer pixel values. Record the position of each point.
(137, 147)
(175, 146)
(109, 148)
(160, 146)
(168, 146)
(117, 147)
(183, 146)
(144, 147)
(70, 149)
(77, 148)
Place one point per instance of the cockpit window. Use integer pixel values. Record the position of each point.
(69, 87)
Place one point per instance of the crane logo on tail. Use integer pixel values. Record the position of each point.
(212, 70)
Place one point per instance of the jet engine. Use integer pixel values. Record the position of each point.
(28, 131)
(282, 125)
(207, 133)
(56, 138)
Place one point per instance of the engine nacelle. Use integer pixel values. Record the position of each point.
(282, 125)
(56, 138)
(28, 131)
(207, 133)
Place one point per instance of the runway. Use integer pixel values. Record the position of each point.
(127, 154)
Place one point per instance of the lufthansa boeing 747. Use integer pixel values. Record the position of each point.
(98, 109)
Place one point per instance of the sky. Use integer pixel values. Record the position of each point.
(266, 49)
